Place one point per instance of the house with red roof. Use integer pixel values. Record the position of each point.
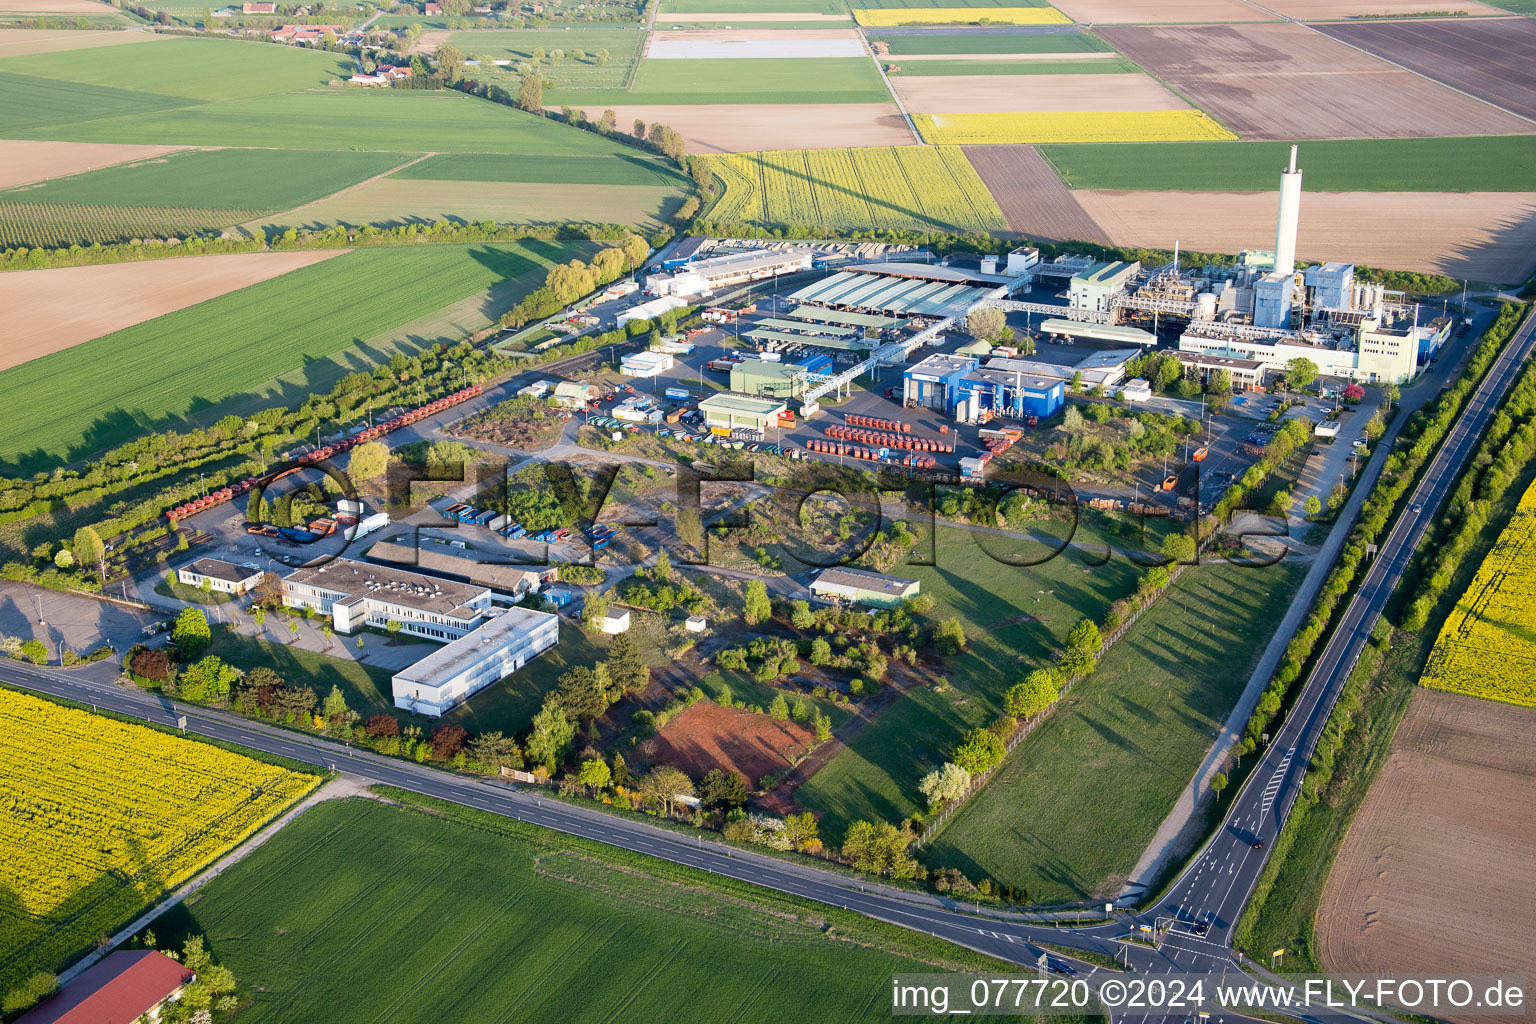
(124, 987)
(303, 33)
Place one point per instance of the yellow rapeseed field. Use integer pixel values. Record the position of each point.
(890, 16)
(99, 817)
(1487, 647)
(1067, 126)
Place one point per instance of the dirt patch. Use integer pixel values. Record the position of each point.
(1309, 10)
(1032, 197)
(17, 41)
(1480, 236)
(1459, 53)
(747, 128)
(22, 163)
(1433, 872)
(709, 736)
(907, 58)
(761, 42)
(1160, 12)
(52, 310)
(993, 94)
(1287, 81)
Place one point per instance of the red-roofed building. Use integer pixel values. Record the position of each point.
(125, 986)
(304, 33)
(432, 8)
(259, 7)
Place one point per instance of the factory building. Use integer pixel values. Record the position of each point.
(726, 413)
(902, 290)
(708, 275)
(1096, 287)
(439, 558)
(356, 594)
(934, 383)
(645, 364)
(989, 392)
(768, 379)
(452, 674)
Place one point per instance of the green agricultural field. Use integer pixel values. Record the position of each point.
(1499, 163)
(243, 179)
(743, 80)
(45, 107)
(623, 45)
(218, 354)
(1014, 618)
(1054, 41)
(1074, 806)
(191, 68)
(903, 187)
(585, 170)
(1116, 66)
(43, 225)
(443, 122)
(513, 922)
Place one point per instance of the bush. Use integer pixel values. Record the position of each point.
(35, 652)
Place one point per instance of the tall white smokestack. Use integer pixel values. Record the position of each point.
(1290, 211)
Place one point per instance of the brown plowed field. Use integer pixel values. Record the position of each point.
(16, 41)
(1287, 81)
(54, 7)
(51, 310)
(1491, 58)
(709, 736)
(1160, 12)
(747, 128)
(1031, 196)
(1312, 10)
(1480, 236)
(1433, 876)
(993, 94)
(22, 163)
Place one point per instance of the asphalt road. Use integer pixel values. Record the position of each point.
(1212, 890)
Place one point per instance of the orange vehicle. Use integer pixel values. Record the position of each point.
(1169, 483)
(1202, 452)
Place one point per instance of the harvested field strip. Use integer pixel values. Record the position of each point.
(25, 162)
(1487, 647)
(1094, 126)
(973, 42)
(1031, 196)
(243, 179)
(889, 187)
(1085, 94)
(739, 80)
(1490, 163)
(46, 225)
(193, 360)
(960, 16)
(951, 68)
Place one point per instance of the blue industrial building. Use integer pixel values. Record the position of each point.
(960, 387)
(985, 393)
(934, 383)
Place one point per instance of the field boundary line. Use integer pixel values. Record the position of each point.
(917, 136)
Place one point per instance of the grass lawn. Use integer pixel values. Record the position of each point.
(434, 912)
(571, 170)
(197, 360)
(365, 686)
(1000, 42)
(743, 80)
(1014, 618)
(180, 591)
(1487, 164)
(1078, 801)
(242, 179)
(441, 122)
(623, 45)
(926, 68)
(192, 68)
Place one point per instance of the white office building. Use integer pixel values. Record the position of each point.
(219, 576)
(356, 594)
(452, 674)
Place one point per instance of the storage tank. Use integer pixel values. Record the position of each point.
(1205, 306)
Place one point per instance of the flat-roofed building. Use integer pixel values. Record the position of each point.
(841, 584)
(451, 675)
(1246, 374)
(357, 594)
(219, 576)
(724, 413)
(439, 558)
(1096, 287)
